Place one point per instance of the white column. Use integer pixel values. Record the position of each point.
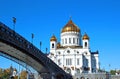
(81, 61)
(75, 62)
(90, 63)
(97, 62)
(63, 60)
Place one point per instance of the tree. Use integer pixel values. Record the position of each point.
(112, 72)
(1, 72)
(5, 74)
(23, 75)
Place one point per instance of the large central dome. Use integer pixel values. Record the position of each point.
(70, 27)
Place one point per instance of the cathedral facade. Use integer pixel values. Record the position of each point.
(73, 52)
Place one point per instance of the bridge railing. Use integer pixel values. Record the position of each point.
(10, 36)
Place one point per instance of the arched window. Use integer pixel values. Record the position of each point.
(85, 44)
(58, 52)
(73, 40)
(52, 45)
(82, 78)
(68, 61)
(69, 70)
(68, 51)
(70, 40)
(65, 40)
(59, 62)
(78, 61)
(77, 41)
(62, 41)
(77, 71)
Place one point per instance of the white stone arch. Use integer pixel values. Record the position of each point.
(68, 70)
(82, 77)
(77, 71)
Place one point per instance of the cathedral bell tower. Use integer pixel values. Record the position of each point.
(53, 44)
(85, 41)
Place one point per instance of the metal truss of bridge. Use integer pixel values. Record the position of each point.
(15, 46)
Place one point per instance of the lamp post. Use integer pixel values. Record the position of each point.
(109, 68)
(11, 71)
(53, 75)
(40, 44)
(46, 50)
(32, 35)
(14, 22)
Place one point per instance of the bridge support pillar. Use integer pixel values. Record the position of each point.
(53, 76)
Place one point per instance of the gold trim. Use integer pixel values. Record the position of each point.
(69, 27)
(85, 37)
(72, 68)
(53, 38)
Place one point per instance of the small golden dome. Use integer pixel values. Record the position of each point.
(70, 26)
(58, 45)
(53, 38)
(85, 37)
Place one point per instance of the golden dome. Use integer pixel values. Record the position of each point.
(53, 38)
(85, 37)
(58, 45)
(70, 26)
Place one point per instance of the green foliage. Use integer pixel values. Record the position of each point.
(6, 74)
(23, 75)
(112, 72)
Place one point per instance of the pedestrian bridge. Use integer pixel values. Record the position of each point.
(17, 47)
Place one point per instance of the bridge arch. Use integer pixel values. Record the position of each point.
(17, 47)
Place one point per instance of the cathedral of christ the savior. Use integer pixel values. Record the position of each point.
(73, 52)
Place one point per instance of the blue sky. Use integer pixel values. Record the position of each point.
(100, 19)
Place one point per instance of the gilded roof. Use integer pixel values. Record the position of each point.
(58, 45)
(53, 38)
(85, 37)
(70, 26)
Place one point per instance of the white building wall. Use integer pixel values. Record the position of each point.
(74, 55)
(74, 36)
(84, 46)
(97, 62)
(52, 50)
(60, 55)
